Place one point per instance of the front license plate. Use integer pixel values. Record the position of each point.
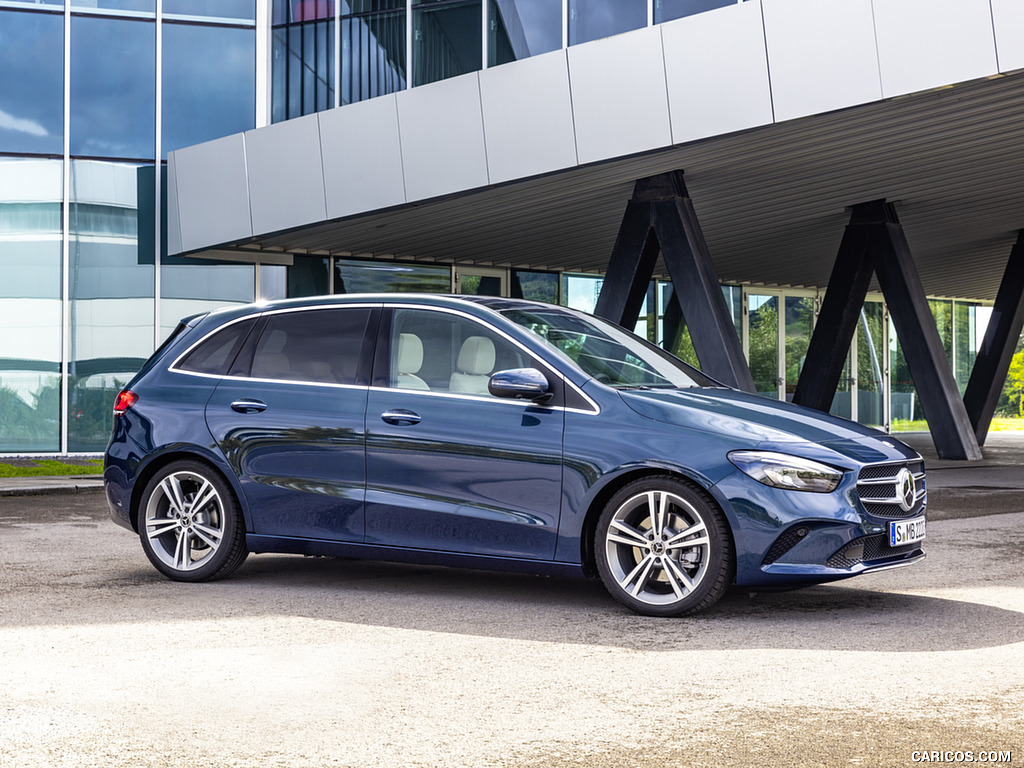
(903, 532)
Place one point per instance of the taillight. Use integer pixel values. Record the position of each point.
(125, 400)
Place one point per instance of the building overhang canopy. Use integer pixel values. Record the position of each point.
(530, 164)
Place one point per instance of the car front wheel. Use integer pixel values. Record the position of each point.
(662, 547)
(190, 523)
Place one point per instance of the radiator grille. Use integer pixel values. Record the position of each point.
(877, 487)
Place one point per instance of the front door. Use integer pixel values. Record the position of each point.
(449, 466)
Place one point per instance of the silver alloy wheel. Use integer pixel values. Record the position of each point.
(657, 547)
(185, 521)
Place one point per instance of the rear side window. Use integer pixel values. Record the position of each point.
(216, 354)
(321, 345)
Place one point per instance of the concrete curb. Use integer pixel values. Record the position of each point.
(45, 486)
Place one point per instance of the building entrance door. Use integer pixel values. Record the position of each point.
(481, 281)
(777, 328)
(762, 333)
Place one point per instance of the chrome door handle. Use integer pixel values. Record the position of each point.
(248, 406)
(399, 416)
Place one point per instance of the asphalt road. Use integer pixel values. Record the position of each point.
(320, 662)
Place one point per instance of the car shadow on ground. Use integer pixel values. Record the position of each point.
(827, 617)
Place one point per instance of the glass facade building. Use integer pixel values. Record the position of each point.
(328, 54)
(95, 93)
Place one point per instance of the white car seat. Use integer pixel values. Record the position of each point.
(409, 362)
(474, 366)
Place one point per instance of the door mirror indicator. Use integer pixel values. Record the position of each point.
(520, 384)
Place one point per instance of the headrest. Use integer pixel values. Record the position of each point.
(410, 353)
(476, 356)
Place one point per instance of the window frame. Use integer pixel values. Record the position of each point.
(241, 367)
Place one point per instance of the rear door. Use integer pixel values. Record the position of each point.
(291, 421)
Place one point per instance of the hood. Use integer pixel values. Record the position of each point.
(756, 421)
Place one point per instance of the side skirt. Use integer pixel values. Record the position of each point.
(293, 546)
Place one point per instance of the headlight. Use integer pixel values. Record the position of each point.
(790, 472)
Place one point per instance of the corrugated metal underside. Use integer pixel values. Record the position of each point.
(771, 201)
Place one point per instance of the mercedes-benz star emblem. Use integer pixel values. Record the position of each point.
(906, 489)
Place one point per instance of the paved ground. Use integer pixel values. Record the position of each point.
(318, 662)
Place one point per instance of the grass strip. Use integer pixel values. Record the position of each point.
(51, 468)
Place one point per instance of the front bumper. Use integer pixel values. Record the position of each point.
(789, 538)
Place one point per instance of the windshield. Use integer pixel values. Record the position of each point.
(606, 352)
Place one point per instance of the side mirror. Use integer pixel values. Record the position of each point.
(520, 384)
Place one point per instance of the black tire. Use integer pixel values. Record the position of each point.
(190, 523)
(662, 547)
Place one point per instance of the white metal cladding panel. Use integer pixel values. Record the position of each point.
(1008, 21)
(527, 115)
(213, 195)
(821, 55)
(923, 44)
(619, 99)
(362, 157)
(442, 137)
(717, 71)
(286, 178)
(173, 224)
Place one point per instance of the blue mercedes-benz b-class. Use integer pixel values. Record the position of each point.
(493, 433)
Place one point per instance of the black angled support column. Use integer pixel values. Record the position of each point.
(699, 294)
(837, 320)
(874, 242)
(660, 217)
(996, 353)
(926, 358)
(630, 267)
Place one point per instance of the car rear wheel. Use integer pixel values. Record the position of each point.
(662, 547)
(190, 523)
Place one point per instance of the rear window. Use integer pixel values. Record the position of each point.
(215, 354)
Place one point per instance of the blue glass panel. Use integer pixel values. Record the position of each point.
(209, 83)
(279, 76)
(594, 19)
(447, 39)
(113, 91)
(279, 12)
(349, 7)
(372, 56)
(188, 289)
(303, 69)
(237, 10)
(666, 10)
(384, 277)
(309, 276)
(535, 286)
(111, 297)
(310, 10)
(32, 83)
(522, 28)
(137, 6)
(30, 306)
(34, 5)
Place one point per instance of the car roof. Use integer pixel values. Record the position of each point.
(492, 303)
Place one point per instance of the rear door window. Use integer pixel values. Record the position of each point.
(324, 346)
